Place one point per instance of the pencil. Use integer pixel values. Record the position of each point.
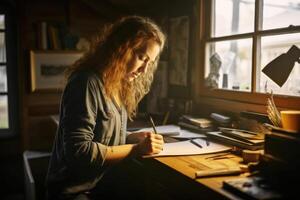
(153, 125)
(196, 143)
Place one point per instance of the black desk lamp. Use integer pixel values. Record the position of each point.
(280, 68)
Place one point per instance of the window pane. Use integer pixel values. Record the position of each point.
(2, 48)
(2, 22)
(273, 46)
(3, 112)
(3, 79)
(232, 17)
(279, 14)
(228, 64)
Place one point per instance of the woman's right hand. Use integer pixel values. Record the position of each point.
(151, 144)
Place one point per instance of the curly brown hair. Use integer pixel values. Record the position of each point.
(110, 53)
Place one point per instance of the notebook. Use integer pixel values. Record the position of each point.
(242, 143)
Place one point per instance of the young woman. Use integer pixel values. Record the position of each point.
(103, 90)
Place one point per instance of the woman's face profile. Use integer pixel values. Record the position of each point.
(142, 58)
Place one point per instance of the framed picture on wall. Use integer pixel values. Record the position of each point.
(47, 69)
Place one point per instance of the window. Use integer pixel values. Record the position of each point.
(3, 77)
(242, 37)
(8, 75)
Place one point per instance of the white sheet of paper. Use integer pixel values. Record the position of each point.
(188, 134)
(188, 148)
(164, 130)
(174, 131)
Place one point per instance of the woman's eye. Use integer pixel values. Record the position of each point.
(141, 57)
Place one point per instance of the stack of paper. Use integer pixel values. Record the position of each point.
(240, 138)
(194, 143)
(200, 122)
(189, 148)
(167, 130)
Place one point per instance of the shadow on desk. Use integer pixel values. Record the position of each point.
(165, 182)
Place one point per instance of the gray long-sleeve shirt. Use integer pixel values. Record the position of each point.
(89, 122)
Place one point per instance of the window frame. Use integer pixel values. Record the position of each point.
(11, 69)
(252, 97)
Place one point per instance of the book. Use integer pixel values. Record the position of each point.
(194, 128)
(43, 36)
(283, 146)
(220, 137)
(201, 122)
(251, 188)
(221, 119)
(244, 135)
(54, 37)
(281, 130)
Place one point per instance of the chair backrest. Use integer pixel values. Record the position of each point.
(35, 171)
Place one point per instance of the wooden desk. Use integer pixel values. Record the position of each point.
(174, 177)
(171, 178)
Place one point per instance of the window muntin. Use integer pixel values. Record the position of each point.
(272, 47)
(280, 14)
(8, 72)
(232, 17)
(285, 34)
(235, 63)
(4, 107)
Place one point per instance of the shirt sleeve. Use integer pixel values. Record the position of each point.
(128, 133)
(80, 105)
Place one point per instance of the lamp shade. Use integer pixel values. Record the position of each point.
(280, 68)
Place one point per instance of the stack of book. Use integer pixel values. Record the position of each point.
(196, 124)
(54, 36)
(280, 162)
(283, 145)
(239, 138)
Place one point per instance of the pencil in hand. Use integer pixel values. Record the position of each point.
(153, 125)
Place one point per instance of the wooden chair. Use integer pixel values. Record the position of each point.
(35, 171)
